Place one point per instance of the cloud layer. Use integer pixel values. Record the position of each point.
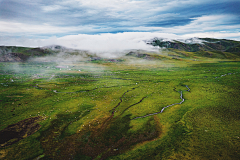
(107, 44)
(57, 20)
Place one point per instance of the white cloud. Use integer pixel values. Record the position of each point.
(203, 24)
(13, 28)
(207, 23)
(113, 4)
(16, 27)
(110, 45)
(52, 8)
(91, 16)
(227, 35)
(199, 24)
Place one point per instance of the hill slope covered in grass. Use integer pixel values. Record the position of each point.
(170, 104)
(20, 54)
(202, 45)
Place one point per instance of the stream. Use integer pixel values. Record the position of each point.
(181, 97)
(113, 110)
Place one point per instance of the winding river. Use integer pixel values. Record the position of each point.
(181, 97)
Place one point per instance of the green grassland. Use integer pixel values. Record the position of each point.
(86, 109)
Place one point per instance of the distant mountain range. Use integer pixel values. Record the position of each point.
(198, 44)
(204, 47)
(21, 54)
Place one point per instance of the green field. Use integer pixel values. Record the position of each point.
(87, 109)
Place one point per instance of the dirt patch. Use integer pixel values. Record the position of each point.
(20, 130)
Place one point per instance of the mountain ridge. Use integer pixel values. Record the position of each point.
(203, 47)
(205, 44)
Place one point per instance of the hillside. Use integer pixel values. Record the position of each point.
(190, 48)
(20, 54)
(171, 103)
(200, 45)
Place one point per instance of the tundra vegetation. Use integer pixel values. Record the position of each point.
(181, 103)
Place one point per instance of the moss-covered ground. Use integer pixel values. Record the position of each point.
(87, 109)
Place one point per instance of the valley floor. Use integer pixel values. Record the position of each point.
(130, 109)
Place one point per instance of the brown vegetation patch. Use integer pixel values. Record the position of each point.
(115, 139)
(109, 138)
(15, 132)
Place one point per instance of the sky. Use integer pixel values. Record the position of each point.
(115, 24)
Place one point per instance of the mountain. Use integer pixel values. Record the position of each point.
(199, 44)
(56, 48)
(20, 54)
(175, 49)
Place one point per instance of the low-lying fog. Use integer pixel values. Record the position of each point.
(105, 45)
(77, 48)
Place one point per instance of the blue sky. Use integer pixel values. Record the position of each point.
(57, 19)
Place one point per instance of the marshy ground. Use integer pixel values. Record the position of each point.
(88, 109)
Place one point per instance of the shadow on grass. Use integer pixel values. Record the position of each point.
(116, 138)
(20, 130)
(100, 141)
